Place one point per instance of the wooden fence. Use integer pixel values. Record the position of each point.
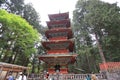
(65, 77)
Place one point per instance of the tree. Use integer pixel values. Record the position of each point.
(24, 10)
(32, 17)
(84, 42)
(103, 20)
(27, 12)
(13, 6)
(99, 21)
(18, 39)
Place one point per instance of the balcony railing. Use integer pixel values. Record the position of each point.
(66, 77)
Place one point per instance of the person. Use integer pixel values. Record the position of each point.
(32, 75)
(93, 77)
(47, 75)
(22, 77)
(10, 77)
(88, 77)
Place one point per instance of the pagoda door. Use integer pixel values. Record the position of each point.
(57, 67)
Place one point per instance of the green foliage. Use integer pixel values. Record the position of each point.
(94, 17)
(28, 13)
(17, 36)
(13, 6)
(32, 17)
(25, 10)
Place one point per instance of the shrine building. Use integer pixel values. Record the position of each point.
(59, 44)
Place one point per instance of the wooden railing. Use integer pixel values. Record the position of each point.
(66, 77)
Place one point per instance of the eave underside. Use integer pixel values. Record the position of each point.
(59, 24)
(67, 44)
(53, 59)
(59, 32)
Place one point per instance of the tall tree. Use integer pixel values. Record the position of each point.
(32, 17)
(27, 12)
(24, 10)
(18, 38)
(13, 6)
(84, 46)
(99, 20)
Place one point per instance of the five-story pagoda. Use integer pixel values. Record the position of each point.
(59, 46)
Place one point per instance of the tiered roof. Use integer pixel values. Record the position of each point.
(60, 16)
(12, 67)
(110, 66)
(56, 33)
(59, 24)
(59, 46)
(51, 45)
(61, 59)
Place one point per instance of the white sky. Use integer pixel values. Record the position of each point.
(45, 7)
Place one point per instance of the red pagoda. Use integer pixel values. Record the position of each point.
(59, 46)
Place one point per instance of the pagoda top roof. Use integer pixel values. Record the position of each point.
(58, 24)
(59, 16)
(67, 32)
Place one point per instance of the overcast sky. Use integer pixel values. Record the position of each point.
(45, 7)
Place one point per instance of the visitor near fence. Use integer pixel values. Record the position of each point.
(21, 76)
(10, 76)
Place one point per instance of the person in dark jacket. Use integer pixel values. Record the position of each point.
(10, 77)
(88, 77)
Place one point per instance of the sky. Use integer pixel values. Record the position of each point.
(45, 7)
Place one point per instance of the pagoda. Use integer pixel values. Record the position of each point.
(59, 44)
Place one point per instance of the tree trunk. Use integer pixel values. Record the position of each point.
(33, 65)
(14, 57)
(39, 66)
(6, 58)
(1, 54)
(88, 62)
(100, 49)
